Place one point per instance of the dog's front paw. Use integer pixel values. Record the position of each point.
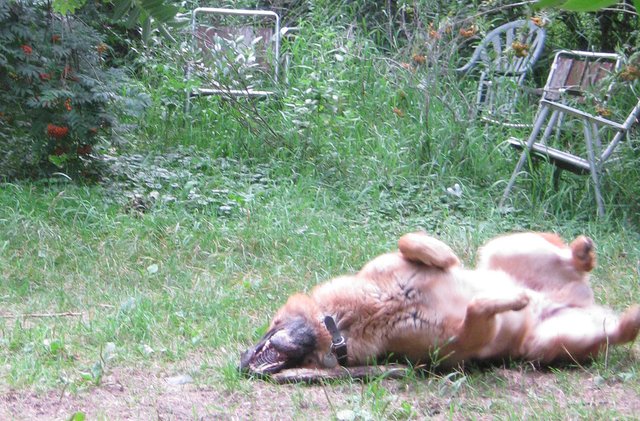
(521, 301)
(583, 253)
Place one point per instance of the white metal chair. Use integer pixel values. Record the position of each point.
(237, 58)
(578, 90)
(505, 57)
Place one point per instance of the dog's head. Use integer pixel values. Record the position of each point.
(296, 338)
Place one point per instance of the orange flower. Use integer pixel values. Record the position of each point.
(27, 49)
(101, 48)
(57, 131)
(67, 104)
(603, 111)
(631, 72)
(419, 59)
(433, 33)
(538, 21)
(397, 111)
(468, 32)
(520, 49)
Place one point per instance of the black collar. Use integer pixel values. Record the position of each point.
(338, 342)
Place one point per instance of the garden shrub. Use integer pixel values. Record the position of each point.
(57, 96)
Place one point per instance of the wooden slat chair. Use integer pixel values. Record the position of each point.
(578, 87)
(505, 57)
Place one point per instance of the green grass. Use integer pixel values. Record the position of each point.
(90, 287)
(186, 285)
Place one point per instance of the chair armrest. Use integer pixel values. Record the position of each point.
(467, 67)
(578, 113)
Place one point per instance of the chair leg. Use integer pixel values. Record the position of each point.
(537, 125)
(588, 135)
(554, 123)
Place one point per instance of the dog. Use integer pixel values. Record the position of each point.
(528, 298)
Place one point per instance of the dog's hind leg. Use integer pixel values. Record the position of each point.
(583, 254)
(576, 334)
(479, 325)
(419, 247)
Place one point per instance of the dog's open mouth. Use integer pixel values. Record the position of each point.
(280, 348)
(262, 360)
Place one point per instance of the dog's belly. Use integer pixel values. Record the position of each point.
(419, 339)
(426, 321)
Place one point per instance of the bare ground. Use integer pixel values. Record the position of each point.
(128, 393)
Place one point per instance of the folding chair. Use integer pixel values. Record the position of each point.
(506, 55)
(238, 56)
(578, 90)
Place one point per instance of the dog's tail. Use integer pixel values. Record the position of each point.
(419, 247)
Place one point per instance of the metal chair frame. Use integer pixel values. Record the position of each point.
(571, 75)
(502, 65)
(197, 32)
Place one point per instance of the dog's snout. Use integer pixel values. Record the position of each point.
(245, 359)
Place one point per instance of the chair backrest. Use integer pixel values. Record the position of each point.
(238, 39)
(236, 51)
(580, 72)
(512, 48)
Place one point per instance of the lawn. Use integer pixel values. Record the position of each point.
(124, 311)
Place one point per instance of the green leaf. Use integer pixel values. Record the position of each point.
(586, 5)
(78, 416)
(146, 29)
(67, 6)
(165, 33)
(159, 10)
(97, 371)
(55, 346)
(58, 160)
(133, 17)
(542, 4)
(120, 8)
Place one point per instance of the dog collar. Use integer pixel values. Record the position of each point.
(338, 342)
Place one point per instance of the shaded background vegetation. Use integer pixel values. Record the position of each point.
(372, 95)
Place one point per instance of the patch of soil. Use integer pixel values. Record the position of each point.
(137, 394)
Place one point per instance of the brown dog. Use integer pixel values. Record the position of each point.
(529, 298)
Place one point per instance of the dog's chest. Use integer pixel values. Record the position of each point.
(410, 312)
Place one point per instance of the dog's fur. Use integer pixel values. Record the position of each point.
(528, 298)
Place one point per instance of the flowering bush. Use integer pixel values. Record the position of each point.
(56, 94)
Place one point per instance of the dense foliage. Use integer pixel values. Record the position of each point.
(56, 101)
(370, 93)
